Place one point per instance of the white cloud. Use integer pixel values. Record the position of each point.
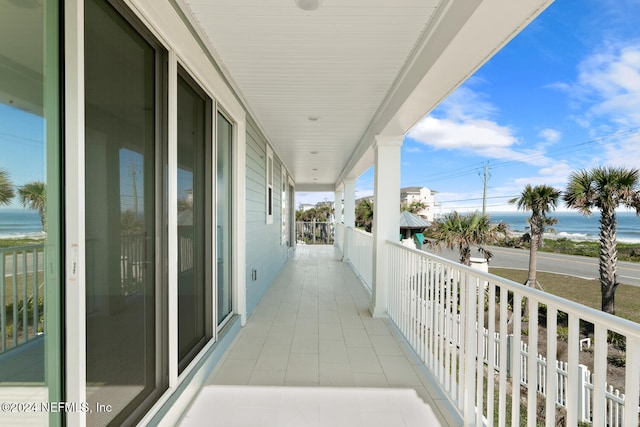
(466, 120)
(550, 136)
(606, 97)
(555, 175)
(608, 84)
(480, 136)
(413, 150)
(625, 153)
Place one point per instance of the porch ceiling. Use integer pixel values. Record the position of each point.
(322, 84)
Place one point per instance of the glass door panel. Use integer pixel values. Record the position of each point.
(122, 154)
(194, 124)
(30, 232)
(224, 218)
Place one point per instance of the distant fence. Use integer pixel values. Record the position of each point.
(614, 398)
(315, 233)
(132, 263)
(21, 295)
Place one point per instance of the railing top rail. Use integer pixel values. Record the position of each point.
(22, 248)
(366, 233)
(611, 322)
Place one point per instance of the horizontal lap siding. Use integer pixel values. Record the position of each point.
(265, 253)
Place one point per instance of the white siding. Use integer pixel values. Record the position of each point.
(265, 253)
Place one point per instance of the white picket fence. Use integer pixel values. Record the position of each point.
(614, 398)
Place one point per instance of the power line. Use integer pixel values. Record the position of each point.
(472, 169)
(476, 198)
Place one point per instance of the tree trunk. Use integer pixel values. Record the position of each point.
(465, 255)
(608, 260)
(536, 240)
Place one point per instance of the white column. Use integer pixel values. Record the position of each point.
(386, 215)
(349, 213)
(337, 216)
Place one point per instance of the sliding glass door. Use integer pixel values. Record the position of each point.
(30, 213)
(124, 83)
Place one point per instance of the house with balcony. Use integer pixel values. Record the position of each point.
(422, 195)
(137, 114)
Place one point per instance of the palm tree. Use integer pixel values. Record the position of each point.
(605, 188)
(539, 200)
(414, 207)
(6, 188)
(455, 231)
(364, 214)
(33, 195)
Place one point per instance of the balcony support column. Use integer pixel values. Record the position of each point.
(349, 214)
(386, 216)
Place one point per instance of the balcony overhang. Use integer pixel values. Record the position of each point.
(322, 84)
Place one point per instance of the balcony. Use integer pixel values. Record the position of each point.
(311, 354)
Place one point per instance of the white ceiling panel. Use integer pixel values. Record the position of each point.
(350, 64)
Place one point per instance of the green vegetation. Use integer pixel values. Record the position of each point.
(6, 188)
(626, 251)
(9, 243)
(582, 291)
(455, 231)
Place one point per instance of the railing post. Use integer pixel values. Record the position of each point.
(632, 382)
(471, 351)
(509, 350)
(583, 401)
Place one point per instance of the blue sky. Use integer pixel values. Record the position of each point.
(21, 147)
(563, 95)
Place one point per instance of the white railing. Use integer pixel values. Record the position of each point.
(361, 254)
(132, 263)
(428, 292)
(21, 295)
(314, 232)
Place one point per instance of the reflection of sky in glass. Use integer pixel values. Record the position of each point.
(21, 147)
(185, 183)
(131, 173)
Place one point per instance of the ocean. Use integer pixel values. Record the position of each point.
(575, 226)
(20, 223)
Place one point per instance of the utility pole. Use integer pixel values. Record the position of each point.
(132, 173)
(484, 191)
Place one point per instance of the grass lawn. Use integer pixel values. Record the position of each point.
(9, 243)
(586, 292)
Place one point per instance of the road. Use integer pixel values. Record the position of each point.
(579, 266)
(8, 262)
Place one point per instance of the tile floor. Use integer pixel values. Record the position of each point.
(312, 355)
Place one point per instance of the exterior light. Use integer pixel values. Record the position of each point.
(308, 5)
